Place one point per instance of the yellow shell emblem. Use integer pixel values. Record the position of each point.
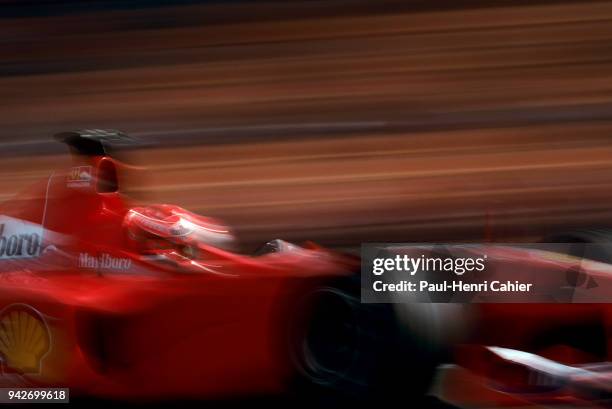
(24, 338)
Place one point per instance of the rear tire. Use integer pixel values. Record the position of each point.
(341, 348)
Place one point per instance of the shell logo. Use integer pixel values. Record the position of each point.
(24, 338)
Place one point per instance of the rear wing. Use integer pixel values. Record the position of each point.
(96, 142)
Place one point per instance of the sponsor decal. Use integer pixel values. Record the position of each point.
(104, 261)
(19, 238)
(24, 339)
(79, 176)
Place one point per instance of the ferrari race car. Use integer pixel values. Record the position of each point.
(129, 301)
(122, 300)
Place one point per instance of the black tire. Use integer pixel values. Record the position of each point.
(344, 349)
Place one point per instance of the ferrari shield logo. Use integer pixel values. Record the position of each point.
(79, 176)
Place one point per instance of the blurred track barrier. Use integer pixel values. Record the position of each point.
(335, 125)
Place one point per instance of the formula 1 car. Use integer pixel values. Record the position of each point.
(122, 300)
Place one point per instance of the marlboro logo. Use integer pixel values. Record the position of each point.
(19, 238)
(104, 261)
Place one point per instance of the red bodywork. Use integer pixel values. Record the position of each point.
(129, 322)
(575, 335)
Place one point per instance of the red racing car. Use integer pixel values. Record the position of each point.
(121, 300)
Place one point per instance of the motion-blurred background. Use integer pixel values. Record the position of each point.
(339, 121)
